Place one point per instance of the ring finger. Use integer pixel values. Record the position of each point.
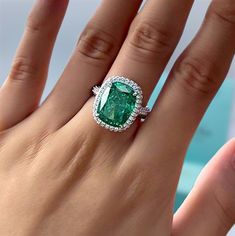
(152, 38)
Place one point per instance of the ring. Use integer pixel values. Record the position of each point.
(118, 103)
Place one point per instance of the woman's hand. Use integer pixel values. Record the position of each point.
(62, 174)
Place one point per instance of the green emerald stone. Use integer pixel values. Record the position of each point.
(116, 104)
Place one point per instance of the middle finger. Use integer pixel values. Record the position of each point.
(152, 39)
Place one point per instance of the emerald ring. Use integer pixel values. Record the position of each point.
(118, 103)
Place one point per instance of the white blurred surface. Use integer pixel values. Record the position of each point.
(13, 14)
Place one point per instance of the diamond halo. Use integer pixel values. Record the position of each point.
(138, 110)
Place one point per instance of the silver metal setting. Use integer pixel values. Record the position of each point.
(140, 111)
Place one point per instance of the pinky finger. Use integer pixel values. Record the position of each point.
(209, 210)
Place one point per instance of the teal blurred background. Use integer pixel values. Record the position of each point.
(216, 127)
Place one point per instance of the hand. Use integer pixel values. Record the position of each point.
(62, 174)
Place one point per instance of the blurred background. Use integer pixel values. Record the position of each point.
(218, 124)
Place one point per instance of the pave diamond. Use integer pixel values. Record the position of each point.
(116, 104)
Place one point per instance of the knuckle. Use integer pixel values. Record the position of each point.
(38, 26)
(95, 44)
(35, 26)
(149, 40)
(22, 70)
(195, 77)
(224, 10)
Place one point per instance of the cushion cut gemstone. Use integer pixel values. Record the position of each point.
(116, 104)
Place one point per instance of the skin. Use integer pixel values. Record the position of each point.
(62, 174)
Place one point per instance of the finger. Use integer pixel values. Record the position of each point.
(22, 90)
(192, 84)
(210, 207)
(152, 38)
(150, 42)
(92, 58)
